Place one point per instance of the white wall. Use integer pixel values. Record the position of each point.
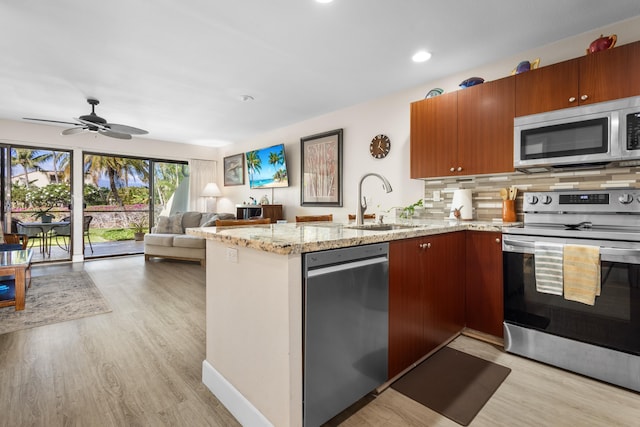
(390, 116)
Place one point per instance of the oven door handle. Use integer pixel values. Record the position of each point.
(606, 253)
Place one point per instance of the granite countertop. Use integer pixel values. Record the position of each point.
(296, 238)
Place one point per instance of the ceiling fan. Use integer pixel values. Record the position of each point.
(94, 123)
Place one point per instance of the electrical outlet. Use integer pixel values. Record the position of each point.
(232, 255)
(436, 195)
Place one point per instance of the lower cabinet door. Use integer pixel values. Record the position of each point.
(484, 292)
(406, 308)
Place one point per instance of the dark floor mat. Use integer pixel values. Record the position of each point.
(452, 383)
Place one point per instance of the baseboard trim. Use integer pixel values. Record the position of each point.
(231, 398)
(482, 336)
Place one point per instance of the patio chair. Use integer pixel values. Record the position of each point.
(86, 223)
(64, 231)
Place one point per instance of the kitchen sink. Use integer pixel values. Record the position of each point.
(382, 227)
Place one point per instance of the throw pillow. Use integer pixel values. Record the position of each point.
(170, 225)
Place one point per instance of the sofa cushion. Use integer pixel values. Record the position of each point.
(159, 239)
(191, 219)
(171, 224)
(189, 241)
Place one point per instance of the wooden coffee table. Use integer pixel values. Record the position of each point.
(18, 265)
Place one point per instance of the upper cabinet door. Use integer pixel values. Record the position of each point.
(434, 136)
(548, 88)
(610, 74)
(485, 128)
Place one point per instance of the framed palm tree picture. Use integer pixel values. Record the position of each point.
(267, 167)
(321, 169)
(234, 170)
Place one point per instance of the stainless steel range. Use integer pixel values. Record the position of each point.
(600, 340)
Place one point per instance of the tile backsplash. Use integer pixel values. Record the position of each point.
(487, 204)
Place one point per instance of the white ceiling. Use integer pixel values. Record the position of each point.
(179, 68)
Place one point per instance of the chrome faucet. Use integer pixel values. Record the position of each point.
(362, 202)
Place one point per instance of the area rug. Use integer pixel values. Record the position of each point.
(53, 299)
(452, 383)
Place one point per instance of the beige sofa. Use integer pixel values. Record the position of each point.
(168, 239)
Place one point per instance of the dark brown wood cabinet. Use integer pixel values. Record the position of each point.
(484, 291)
(274, 212)
(485, 128)
(464, 132)
(426, 296)
(434, 136)
(598, 77)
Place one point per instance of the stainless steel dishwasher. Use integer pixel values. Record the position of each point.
(346, 328)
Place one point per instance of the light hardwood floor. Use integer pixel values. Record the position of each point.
(141, 365)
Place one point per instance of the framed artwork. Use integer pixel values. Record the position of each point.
(321, 169)
(234, 170)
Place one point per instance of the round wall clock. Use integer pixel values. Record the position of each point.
(380, 146)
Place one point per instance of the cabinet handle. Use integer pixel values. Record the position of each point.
(424, 245)
(497, 240)
(572, 99)
(459, 168)
(584, 97)
(452, 170)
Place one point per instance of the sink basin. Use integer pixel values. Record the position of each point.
(382, 227)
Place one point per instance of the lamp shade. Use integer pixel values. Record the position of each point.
(211, 190)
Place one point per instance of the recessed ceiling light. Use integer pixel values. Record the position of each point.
(245, 98)
(421, 56)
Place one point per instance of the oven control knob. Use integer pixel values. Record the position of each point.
(625, 198)
(532, 200)
(546, 199)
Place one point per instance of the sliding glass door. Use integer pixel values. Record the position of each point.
(123, 198)
(36, 187)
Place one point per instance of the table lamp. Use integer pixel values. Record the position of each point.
(211, 190)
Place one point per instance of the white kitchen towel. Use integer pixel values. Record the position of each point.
(548, 262)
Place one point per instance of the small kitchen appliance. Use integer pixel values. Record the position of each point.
(599, 340)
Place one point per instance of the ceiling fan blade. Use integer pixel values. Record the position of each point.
(126, 129)
(91, 125)
(73, 131)
(50, 121)
(114, 134)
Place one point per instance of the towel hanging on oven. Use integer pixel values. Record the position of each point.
(548, 268)
(581, 273)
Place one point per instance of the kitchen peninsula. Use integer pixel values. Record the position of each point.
(254, 309)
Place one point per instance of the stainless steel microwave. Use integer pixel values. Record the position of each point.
(587, 136)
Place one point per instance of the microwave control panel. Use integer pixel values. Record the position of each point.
(633, 131)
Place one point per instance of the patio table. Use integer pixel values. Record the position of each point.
(43, 228)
